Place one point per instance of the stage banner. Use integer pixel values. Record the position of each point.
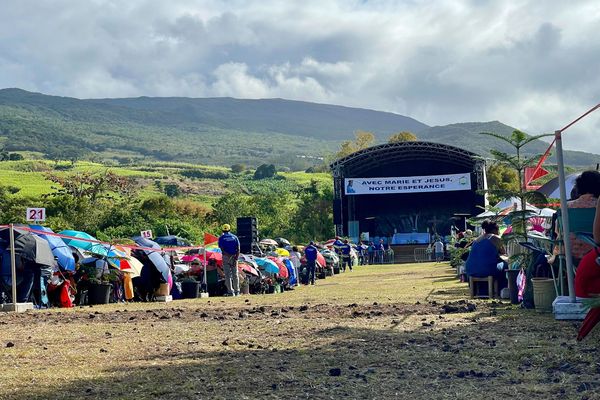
(408, 184)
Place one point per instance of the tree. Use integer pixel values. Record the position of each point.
(402, 137)
(314, 217)
(15, 157)
(361, 141)
(238, 168)
(517, 162)
(501, 177)
(265, 171)
(172, 190)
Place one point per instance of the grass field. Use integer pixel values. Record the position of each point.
(377, 332)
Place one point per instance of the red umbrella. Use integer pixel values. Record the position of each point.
(210, 255)
(283, 272)
(320, 260)
(242, 266)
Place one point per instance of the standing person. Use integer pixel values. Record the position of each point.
(362, 253)
(371, 252)
(439, 250)
(346, 259)
(295, 259)
(380, 251)
(230, 247)
(311, 261)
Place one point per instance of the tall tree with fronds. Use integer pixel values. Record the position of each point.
(518, 162)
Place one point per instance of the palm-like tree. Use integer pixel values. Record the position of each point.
(518, 162)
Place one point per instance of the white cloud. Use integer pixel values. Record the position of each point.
(527, 63)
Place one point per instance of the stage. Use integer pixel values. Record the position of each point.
(408, 191)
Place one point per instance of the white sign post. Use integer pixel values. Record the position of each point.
(146, 234)
(35, 214)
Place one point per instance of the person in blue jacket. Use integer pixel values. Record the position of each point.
(346, 259)
(487, 252)
(230, 247)
(310, 252)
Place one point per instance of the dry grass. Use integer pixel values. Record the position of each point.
(382, 327)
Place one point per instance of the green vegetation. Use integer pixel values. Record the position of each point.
(402, 137)
(183, 199)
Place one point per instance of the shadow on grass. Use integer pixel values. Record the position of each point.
(481, 357)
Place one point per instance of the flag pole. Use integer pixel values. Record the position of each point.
(205, 264)
(564, 215)
(13, 267)
(563, 203)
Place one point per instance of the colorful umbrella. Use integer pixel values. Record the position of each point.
(158, 260)
(267, 265)
(268, 242)
(62, 252)
(282, 252)
(210, 255)
(89, 243)
(243, 266)
(283, 272)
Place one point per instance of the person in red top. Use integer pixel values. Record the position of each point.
(587, 280)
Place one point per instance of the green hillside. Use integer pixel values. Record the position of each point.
(213, 131)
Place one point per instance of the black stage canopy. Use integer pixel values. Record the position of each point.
(406, 187)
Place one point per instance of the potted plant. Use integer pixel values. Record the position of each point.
(519, 216)
(99, 285)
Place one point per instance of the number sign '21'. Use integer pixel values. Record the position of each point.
(36, 214)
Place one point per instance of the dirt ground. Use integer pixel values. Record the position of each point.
(402, 331)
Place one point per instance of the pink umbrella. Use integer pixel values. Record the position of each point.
(210, 255)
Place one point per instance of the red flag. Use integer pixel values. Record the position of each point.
(538, 171)
(210, 239)
(533, 173)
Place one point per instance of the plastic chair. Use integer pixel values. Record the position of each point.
(581, 222)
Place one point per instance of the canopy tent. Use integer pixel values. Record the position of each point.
(509, 204)
(551, 189)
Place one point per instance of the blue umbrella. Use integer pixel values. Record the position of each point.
(92, 247)
(160, 261)
(172, 240)
(292, 272)
(267, 265)
(59, 248)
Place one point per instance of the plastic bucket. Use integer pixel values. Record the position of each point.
(190, 290)
(99, 293)
(543, 294)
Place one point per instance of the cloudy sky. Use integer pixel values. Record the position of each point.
(534, 65)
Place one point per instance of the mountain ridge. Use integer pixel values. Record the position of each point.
(219, 130)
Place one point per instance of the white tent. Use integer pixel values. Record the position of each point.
(506, 203)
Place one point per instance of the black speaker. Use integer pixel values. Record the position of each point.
(247, 233)
(337, 211)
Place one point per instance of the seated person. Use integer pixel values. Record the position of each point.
(587, 279)
(584, 195)
(486, 252)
